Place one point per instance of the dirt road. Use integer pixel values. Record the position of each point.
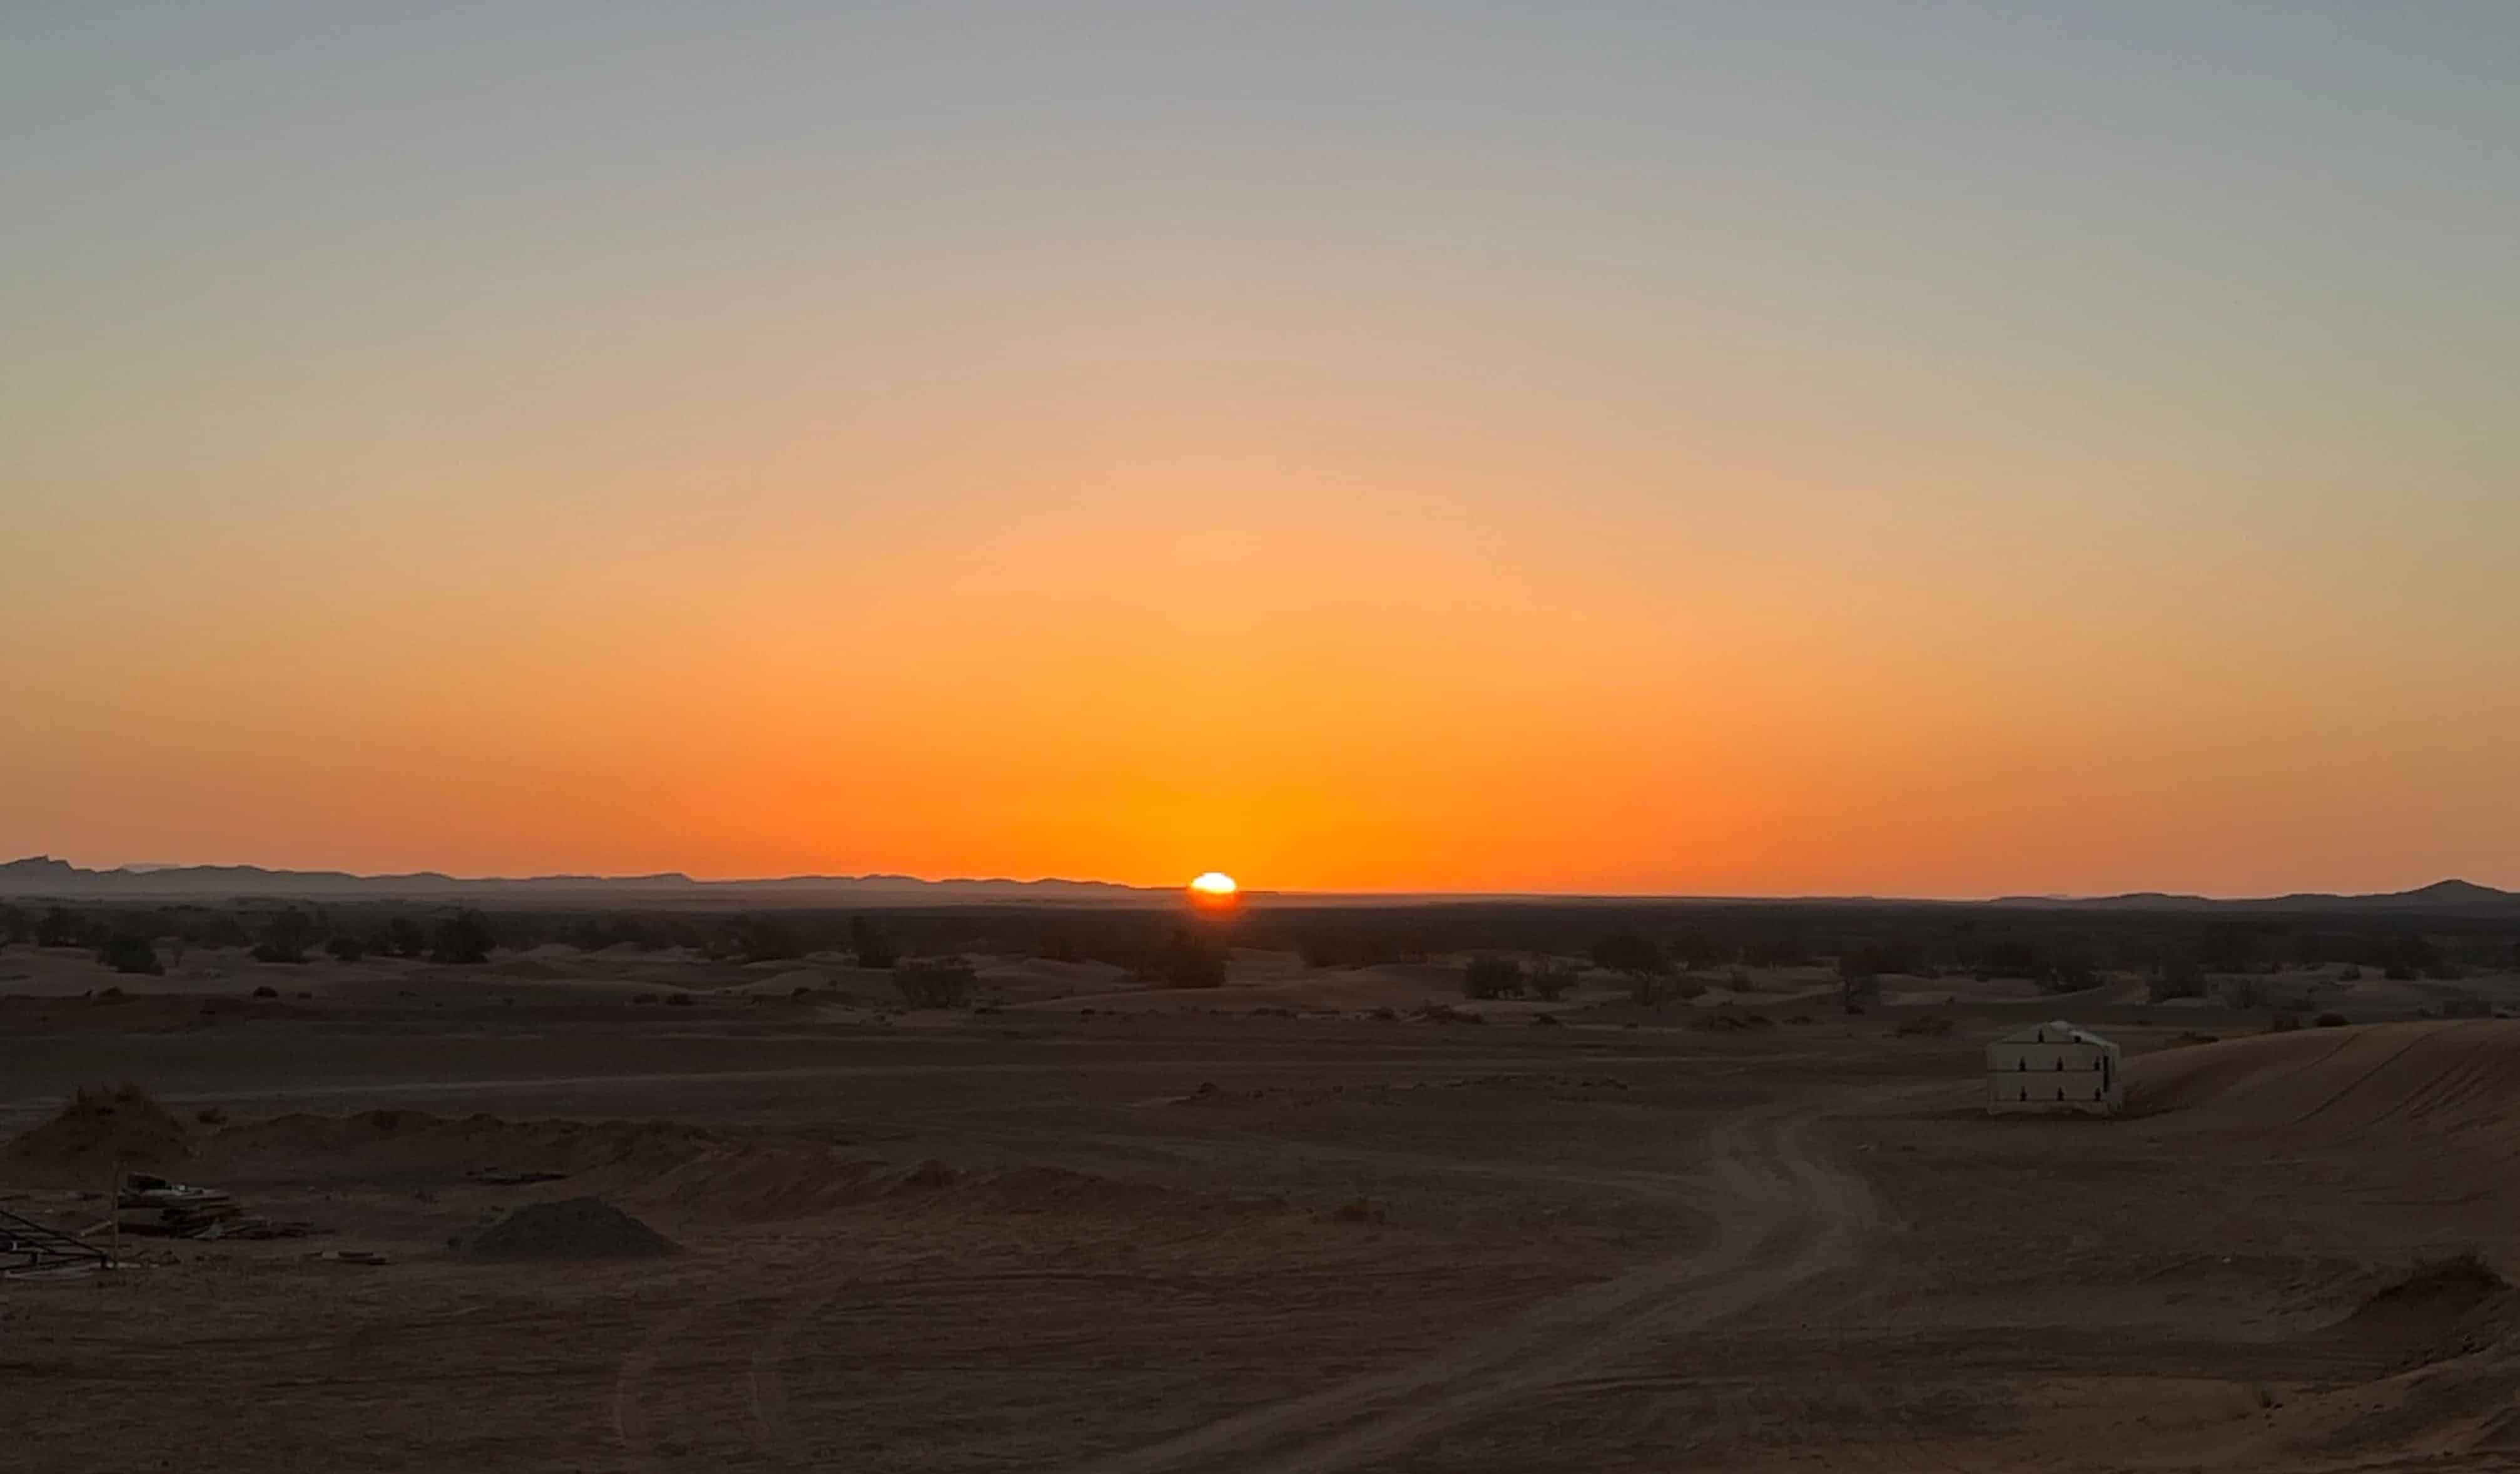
(1782, 1215)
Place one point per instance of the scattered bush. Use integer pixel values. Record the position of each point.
(266, 990)
(2284, 1023)
(2331, 1020)
(286, 940)
(934, 983)
(872, 946)
(1185, 960)
(1628, 951)
(1550, 979)
(1923, 1026)
(2245, 991)
(404, 938)
(461, 938)
(346, 949)
(1492, 977)
(60, 926)
(128, 952)
(2178, 977)
(677, 1000)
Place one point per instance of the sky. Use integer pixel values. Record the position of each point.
(1899, 448)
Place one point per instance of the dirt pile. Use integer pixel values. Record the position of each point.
(577, 1227)
(97, 1132)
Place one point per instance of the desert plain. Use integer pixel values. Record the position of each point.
(1314, 1218)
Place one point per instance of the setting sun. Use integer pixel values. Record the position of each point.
(1215, 884)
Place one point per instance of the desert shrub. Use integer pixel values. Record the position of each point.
(1185, 960)
(2069, 972)
(1859, 981)
(1739, 980)
(934, 982)
(461, 938)
(1628, 951)
(1923, 1026)
(1492, 977)
(1552, 979)
(2331, 1020)
(677, 1000)
(60, 926)
(130, 952)
(266, 990)
(14, 926)
(1318, 952)
(2245, 991)
(346, 949)
(874, 946)
(2284, 1023)
(2178, 977)
(404, 938)
(285, 938)
(2465, 1006)
(2349, 973)
(764, 938)
(2008, 958)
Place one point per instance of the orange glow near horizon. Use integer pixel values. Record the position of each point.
(1565, 468)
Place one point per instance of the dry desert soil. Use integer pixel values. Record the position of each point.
(1292, 1224)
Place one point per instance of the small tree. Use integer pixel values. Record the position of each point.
(347, 948)
(1628, 951)
(60, 927)
(1492, 977)
(2176, 977)
(1550, 979)
(461, 938)
(1859, 981)
(287, 938)
(934, 982)
(873, 947)
(130, 952)
(2246, 992)
(764, 938)
(1189, 961)
(404, 938)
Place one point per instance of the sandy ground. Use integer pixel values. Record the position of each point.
(1258, 1229)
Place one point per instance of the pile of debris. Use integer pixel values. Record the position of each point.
(578, 1228)
(29, 1250)
(153, 1206)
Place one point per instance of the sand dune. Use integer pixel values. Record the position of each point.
(2450, 1079)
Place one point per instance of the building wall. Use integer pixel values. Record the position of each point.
(2031, 1076)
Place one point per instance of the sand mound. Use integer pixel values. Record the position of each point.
(2439, 1312)
(99, 1131)
(2442, 1079)
(577, 1227)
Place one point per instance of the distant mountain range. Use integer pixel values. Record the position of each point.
(42, 876)
(2440, 896)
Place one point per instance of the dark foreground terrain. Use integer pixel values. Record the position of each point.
(1302, 1222)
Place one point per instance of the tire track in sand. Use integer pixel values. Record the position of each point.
(1782, 1217)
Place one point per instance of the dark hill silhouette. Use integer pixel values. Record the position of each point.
(43, 876)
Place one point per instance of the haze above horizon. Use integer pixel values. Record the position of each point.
(1711, 448)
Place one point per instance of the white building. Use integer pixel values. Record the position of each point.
(2054, 1067)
